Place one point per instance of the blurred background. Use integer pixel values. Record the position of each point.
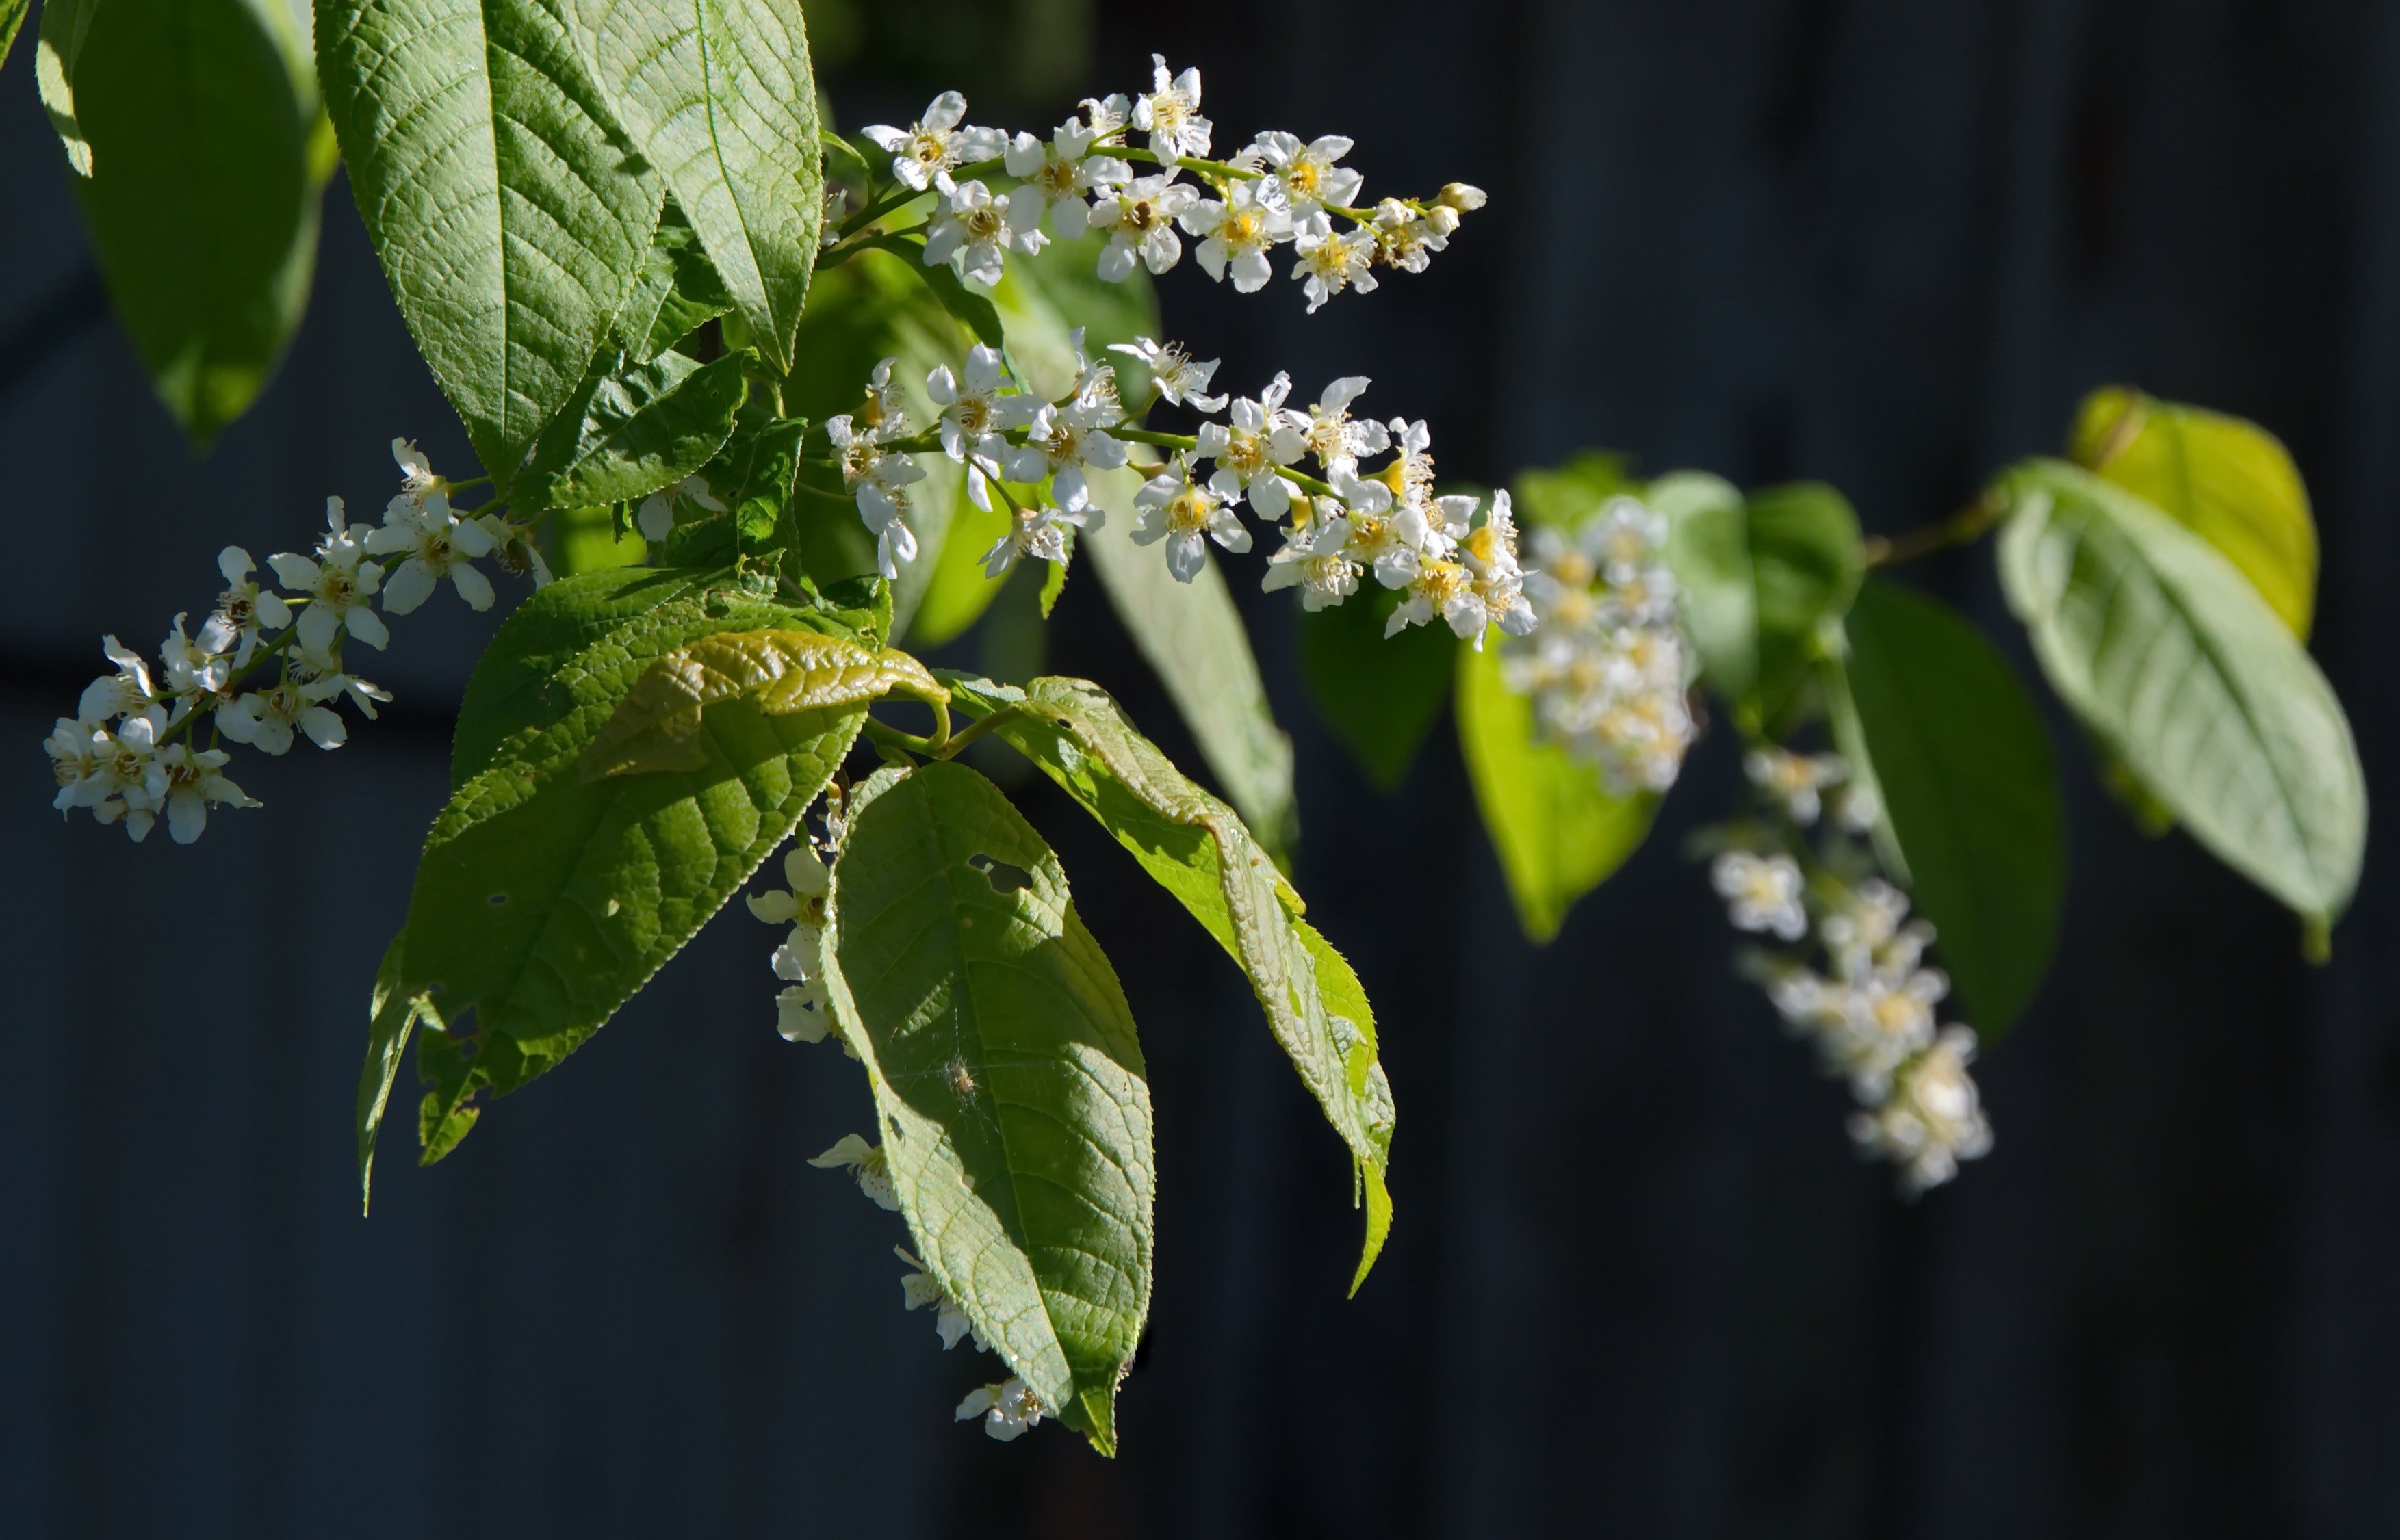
(1640, 1284)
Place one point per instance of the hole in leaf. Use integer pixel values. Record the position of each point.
(1003, 878)
(497, 900)
(462, 1025)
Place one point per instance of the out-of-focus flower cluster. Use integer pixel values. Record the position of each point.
(1857, 983)
(133, 751)
(995, 192)
(1607, 662)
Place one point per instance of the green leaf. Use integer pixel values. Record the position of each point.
(1380, 696)
(392, 1018)
(12, 16)
(1053, 578)
(1008, 1083)
(1970, 787)
(2229, 481)
(720, 96)
(1193, 638)
(1199, 851)
(543, 898)
(1806, 559)
(675, 293)
(633, 431)
(2172, 656)
(971, 308)
(1563, 497)
(192, 122)
(510, 214)
(1707, 549)
(1558, 830)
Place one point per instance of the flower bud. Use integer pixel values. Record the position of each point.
(1463, 196)
(1443, 218)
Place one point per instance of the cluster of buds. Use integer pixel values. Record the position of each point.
(1454, 559)
(132, 751)
(1871, 1008)
(1278, 190)
(1606, 661)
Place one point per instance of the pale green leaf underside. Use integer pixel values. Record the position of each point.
(1199, 851)
(1558, 831)
(2188, 676)
(1708, 549)
(510, 214)
(719, 94)
(543, 900)
(1194, 637)
(1008, 1082)
(193, 118)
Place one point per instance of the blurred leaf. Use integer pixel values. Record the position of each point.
(636, 430)
(720, 96)
(1970, 789)
(1806, 560)
(544, 899)
(677, 291)
(192, 121)
(510, 214)
(1565, 497)
(1708, 549)
(1380, 697)
(1195, 848)
(970, 308)
(2229, 481)
(1194, 640)
(1008, 1082)
(2172, 656)
(1556, 829)
(586, 539)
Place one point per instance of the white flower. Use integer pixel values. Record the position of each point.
(800, 1011)
(128, 692)
(881, 415)
(1407, 239)
(1252, 449)
(337, 584)
(972, 230)
(438, 546)
(1934, 1117)
(1763, 892)
(1868, 925)
(1139, 219)
(1328, 431)
(1330, 262)
(1625, 538)
(1463, 197)
(417, 481)
(196, 667)
(81, 753)
(920, 1288)
(1305, 174)
(926, 152)
(1236, 233)
(1445, 589)
(184, 782)
(656, 517)
(1169, 112)
(1409, 472)
(514, 548)
(1179, 378)
(1038, 533)
(1856, 808)
(321, 679)
(1060, 442)
(1007, 1409)
(1106, 117)
(1184, 513)
(1057, 177)
(265, 720)
(975, 413)
(1315, 558)
(867, 1163)
(248, 608)
(1795, 781)
(1876, 1024)
(878, 479)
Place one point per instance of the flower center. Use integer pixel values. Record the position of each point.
(1057, 177)
(983, 221)
(1572, 569)
(929, 147)
(1242, 227)
(1306, 175)
(1188, 514)
(1245, 454)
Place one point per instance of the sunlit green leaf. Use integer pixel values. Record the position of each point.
(192, 121)
(544, 899)
(633, 431)
(510, 214)
(2231, 482)
(1379, 695)
(2172, 658)
(1194, 637)
(1200, 852)
(1558, 831)
(1966, 778)
(718, 95)
(12, 16)
(1009, 1085)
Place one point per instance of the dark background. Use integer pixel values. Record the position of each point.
(1640, 1285)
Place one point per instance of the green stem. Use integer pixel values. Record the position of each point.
(976, 730)
(1963, 527)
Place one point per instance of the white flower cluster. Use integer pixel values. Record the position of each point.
(1607, 663)
(132, 752)
(1278, 190)
(1872, 1010)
